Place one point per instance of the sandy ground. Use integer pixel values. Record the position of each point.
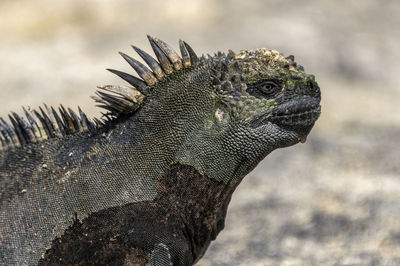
(332, 201)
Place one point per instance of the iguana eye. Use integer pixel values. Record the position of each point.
(264, 89)
(269, 88)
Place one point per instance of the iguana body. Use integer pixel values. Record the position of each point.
(152, 182)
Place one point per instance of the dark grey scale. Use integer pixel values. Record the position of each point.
(162, 58)
(134, 81)
(193, 57)
(237, 87)
(215, 80)
(26, 129)
(107, 116)
(67, 120)
(34, 125)
(97, 122)
(61, 125)
(87, 125)
(237, 66)
(125, 92)
(2, 142)
(110, 109)
(226, 62)
(223, 75)
(290, 57)
(203, 60)
(140, 69)
(64, 119)
(98, 99)
(151, 62)
(248, 102)
(173, 57)
(18, 130)
(75, 120)
(240, 88)
(185, 54)
(116, 102)
(8, 132)
(43, 124)
(231, 54)
(47, 123)
(235, 78)
(215, 72)
(227, 86)
(217, 88)
(124, 104)
(53, 121)
(5, 136)
(233, 102)
(237, 94)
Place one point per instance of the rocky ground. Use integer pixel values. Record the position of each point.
(334, 200)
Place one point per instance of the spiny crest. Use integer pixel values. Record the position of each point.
(126, 100)
(117, 100)
(43, 124)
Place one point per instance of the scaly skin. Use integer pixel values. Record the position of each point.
(153, 186)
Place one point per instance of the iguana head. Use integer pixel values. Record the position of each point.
(270, 94)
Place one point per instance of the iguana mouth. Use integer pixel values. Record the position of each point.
(297, 115)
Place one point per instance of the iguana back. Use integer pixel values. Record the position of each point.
(151, 181)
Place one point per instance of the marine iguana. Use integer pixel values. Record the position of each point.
(150, 182)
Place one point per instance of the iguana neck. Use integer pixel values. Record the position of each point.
(199, 202)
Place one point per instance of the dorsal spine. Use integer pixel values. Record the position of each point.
(116, 100)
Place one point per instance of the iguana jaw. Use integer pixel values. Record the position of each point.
(297, 115)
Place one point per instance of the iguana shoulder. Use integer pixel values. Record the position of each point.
(151, 180)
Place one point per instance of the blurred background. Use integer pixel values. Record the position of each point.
(334, 200)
